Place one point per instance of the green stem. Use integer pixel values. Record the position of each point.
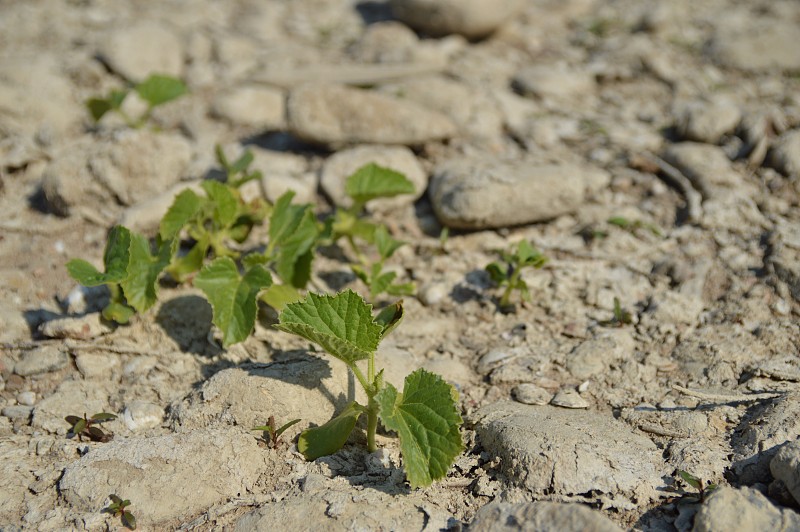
(372, 424)
(505, 300)
(359, 255)
(364, 382)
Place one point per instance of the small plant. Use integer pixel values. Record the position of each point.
(156, 90)
(83, 426)
(703, 489)
(118, 508)
(508, 272)
(633, 225)
(272, 433)
(621, 316)
(425, 414)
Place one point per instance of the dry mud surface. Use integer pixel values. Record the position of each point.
(523, 119)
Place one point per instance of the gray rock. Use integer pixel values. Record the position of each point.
(43, 359)
(784, 261)
(555, 82)
(756, 43)
(18, 412)
(785, 466)
(569, 398)
(142, 49)
(332, 114)
(593, 357)
(707, 121)
(26, 398)
(333, 508)
(78, 328)
(528, 393)
(96, 366)
(474, 193)
(785, 154)
(570, 452)
(540, 516)
(470, 18)
(252, 105)
(167, 477)
(742, 509)
(342, 164)
(706, 166)
(769, 426)
(140, 415)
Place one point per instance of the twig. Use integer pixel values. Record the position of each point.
(112, 348)
(726, 397)
(675, 178)
(661, 431)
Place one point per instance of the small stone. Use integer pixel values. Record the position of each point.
(593, 356)
(342, 164)
(480, 193)
(785, 154)
(471, 18)
(493, 359)
(43, 359)
(541, 516)
(755, 43)
(256, 106)
(26, 398)
(142, 49)
(785, 466)
(529, 394)
(742, 509)
(676, 308)
(706, 166)
(334, 114)
(433, 293)
(705, 121)
(94, 366)
(140, 415)
(569, 399)
(80, 328)
(18, 412)
(555, 82)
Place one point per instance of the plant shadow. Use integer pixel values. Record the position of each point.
(187, 320)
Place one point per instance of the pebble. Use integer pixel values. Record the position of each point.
(26, 398)
(44, 359)
(756, 43)
(529, 394)
(342, 164)
(18, 412)
(743, 509)
(541, 516)
(482, 193)
(472, 19)
(569, 398)
(334, 114)
(706, 166)
(140, 415)
(557, 82)
(433, 293)
(252, 105)
(785, 154)
(96, 366)
(785, 467)
(79, 328)
(707, 121)
(142, 49)
(494, 358)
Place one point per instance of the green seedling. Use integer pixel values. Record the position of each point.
(131, 272)
(633, 226)
(272, 433)
(118, 508)
(703, 489)
(374, 276)
(237, 173)
(83, 426)
(508, 272)
(156, 90)
(621, 316)
(424, 415)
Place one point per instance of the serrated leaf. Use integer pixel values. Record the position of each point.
(158, 89)
(390, 317)
(278, 296)
(232, 296)
(118, 312)
(115, 258)
(128, 520)
(330, 437)
(342, 324)
(103, 416)
(380, 283)
(690, 479)
(292, 232)
(372, 181)
(425, 417)
(226, 204)
(143, 271)
(385, 243)
(184, 207)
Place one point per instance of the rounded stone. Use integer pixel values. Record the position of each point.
(529, 394)
(470, 18)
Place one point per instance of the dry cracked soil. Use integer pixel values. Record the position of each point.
(651, 150)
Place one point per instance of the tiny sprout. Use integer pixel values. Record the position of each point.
(621, 316)
(117, 508)
(507, 273)
(633, 225)
(83, 426)
(703, 489)
(272, 435)
(156, 90)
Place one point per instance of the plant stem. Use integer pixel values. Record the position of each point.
(372, 424)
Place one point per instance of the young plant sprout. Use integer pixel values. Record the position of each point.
(272, 433)
(508, 272)
(83, 426)
(156, 90)
(703, 489)
(118, 508)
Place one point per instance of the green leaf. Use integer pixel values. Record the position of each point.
(158, 89)
(103, 416)
(401, 289)
(98, 107)
(380, 283)
(426, 419)
(118, 312)
(385, 243)
(498, 272)
(226, 203)
(115, 258)
(79, 426)
(278, 296)
(342, 324)
(528, 255)
(184, 207)
(293, 231)
(241, 164)
(128, 520)
(372, 181)
(330, 437)
(182, 267)
(390, 317)
(143, 271)
(115, 499)
(690, 479)
(285, 426)
(232, 296)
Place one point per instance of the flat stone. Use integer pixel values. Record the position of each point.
(142, 49)
(785, 466)
(480, 193)
(561, 452)
(96, 366)
(77, 328)
(352, 74)
(756, 43)
(742, 509)
(594, 356)
(785, 154)
(341, 165)
(156, 472)
(140, 415)
(334, 114)
(540, 516)
(556, 82)
(705, 165)
(18, 412)
(470, 18)
(44, 359)
(569, 398)
(528, 393)
(707, 121)
(252, 105)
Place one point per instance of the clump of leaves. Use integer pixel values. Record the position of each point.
(237, 173)
(621, 316)
(367, 183)
(424, 415)
(272, 433)
(156, 90)
(704, 489)
(83, 426)
(119, 508)
(633, 225)
(507, 273)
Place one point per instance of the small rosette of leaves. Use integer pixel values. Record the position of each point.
(119, 508)
(237, 173)
(85, 427)
(507, 273)
(703, 489)
(156, 90)
(273, 432)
